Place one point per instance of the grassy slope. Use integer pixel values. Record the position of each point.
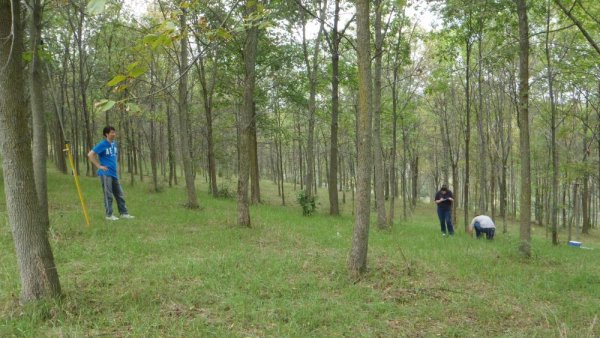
(175, 272)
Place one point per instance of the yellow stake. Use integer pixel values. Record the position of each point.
(68, 150)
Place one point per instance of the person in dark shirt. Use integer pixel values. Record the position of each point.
(444, 199)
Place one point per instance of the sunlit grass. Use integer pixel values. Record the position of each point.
(179, 272)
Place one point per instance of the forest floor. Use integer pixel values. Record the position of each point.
(190, 273)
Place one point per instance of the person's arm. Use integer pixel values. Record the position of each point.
(471, 226)
(93, 157)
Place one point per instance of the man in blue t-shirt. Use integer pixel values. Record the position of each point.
(444, 199)
(104, 157)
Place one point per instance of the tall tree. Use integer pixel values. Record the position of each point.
(525, 217)
(40, 139)
(377, 148)
(357, 260)
(186, 153)
(553, 146)
(311, 71)
(245, 119)
(39, 277)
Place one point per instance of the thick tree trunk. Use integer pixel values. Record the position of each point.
(39, 277)
(377, 148)
(357, 259)
(186, 156)
(245, 120)
(525, 221)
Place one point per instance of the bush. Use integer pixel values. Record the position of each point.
(308, 203)
(224, 192)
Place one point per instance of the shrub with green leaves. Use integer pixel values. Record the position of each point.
(308, 203)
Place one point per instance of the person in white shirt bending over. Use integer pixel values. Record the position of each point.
(483, 225)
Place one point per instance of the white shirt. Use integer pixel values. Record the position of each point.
(485, 222)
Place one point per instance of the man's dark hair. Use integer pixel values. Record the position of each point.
(107, 130)
(444, 188)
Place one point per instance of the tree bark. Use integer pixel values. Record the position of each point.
(377, 148)
(40, 139)
(357, 259)
(254, 172)
(525, 217)
(186, 156)
(334, 208)
(39, 276)
(311, 70)
(553, 145)
(245, 120)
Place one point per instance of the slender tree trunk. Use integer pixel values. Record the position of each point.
(186, 156)
(525, 221)
(467, 131)
(245, 120)
(553, 146)
(207, 96)
(357, 259)
(334, 208)
(311, 70)
(377, 148)
(83, 87)
(39, 276)
(394, 140)
(254, 173)
(40, 140)
(482, 206)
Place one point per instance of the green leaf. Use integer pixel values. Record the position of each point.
(132, 108)
(103, 105)
(150, 39)
(223, 34)
(136, 69)
(95, 7)
(116, 80)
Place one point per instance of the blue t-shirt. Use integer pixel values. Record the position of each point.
(107, 154)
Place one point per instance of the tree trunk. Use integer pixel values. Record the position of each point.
(377, 148)
(40, 140)
(39, 276)
(467, 131)
(245, 120)
(481, 139)
(334, 208)
(186, 156)
(525, 221)
(207, 97)
(553, 145)
(311, 70)
(254, 173)
(357, 259)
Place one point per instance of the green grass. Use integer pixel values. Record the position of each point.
(177, 272)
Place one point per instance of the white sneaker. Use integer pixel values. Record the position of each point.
(111, 218)
(127, 216)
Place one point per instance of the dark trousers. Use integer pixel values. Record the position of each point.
(110, 187)
(489, 232)
(446, 220)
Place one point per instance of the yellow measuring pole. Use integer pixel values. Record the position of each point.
(68, 150)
